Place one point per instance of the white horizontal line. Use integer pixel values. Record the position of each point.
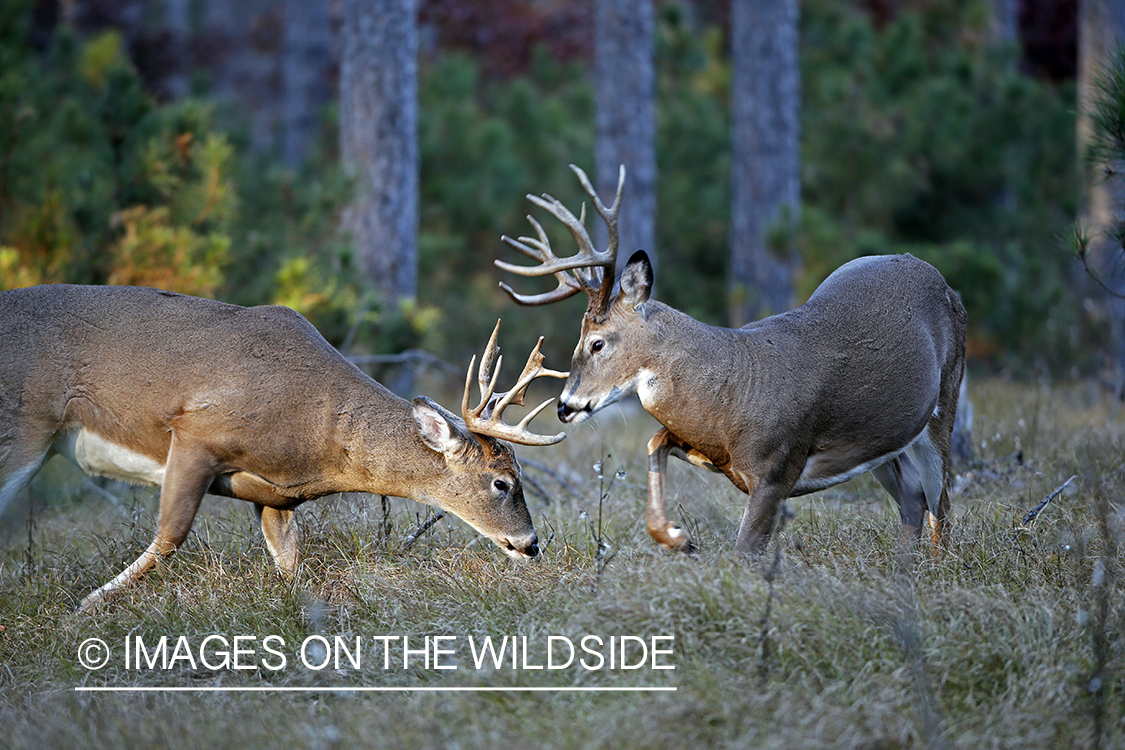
(365, 689)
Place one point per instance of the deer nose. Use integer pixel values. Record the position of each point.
(566, 411)
(526, 547)
(532, 548)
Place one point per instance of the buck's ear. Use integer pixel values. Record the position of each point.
(636, 280)
(439, 429)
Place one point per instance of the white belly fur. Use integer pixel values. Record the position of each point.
(98, 456)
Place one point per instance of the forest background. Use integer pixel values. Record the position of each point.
(128, 155)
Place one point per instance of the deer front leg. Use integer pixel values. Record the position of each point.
(188, 473)
(763, 505)
(660, 528)
(283, 537)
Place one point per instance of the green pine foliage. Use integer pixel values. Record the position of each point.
(97, 182)
(919, 135)
(1105, 156)
(923, 136)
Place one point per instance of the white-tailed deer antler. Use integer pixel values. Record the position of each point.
(600, 265)
(486, 418)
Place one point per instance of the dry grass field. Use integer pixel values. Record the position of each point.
(1012, 637)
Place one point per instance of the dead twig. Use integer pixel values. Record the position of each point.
(385, 523)
(1034, 512)
(425, 526)
(1090, 272)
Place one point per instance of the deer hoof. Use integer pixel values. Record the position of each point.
(673, 538)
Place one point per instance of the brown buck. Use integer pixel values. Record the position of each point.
(199, 396)
(862, 377)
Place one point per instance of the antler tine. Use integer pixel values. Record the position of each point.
(564, 290)
(587, 254)
(600, 281)
(540, 249)
(531, 370)
(486, 418)
(609, 214)
(536, 249)
(486, 376)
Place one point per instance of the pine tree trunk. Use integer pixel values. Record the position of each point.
(765, 158)
(178, 21)
(305, 75)
(1006, 21)
(1101, 24)
(242, 40)
(626, 120)
(379, 139)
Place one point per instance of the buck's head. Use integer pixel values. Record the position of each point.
(609, 359)
(482, 484)
(613, 349)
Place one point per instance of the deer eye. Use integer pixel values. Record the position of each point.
(596, 346)
(501, 485)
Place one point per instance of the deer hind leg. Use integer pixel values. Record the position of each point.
(902, 478)
(283, 536)
(940, 434)
(666, 533)
(187, 475)
(766, 492)
(932, 462)
(15, 475)
(21, 457)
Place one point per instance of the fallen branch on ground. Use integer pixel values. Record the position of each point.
(1034, 512)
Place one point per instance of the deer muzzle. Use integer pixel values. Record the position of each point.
(521, 548)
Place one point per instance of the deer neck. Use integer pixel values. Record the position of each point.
(691, 372)
(379, 449)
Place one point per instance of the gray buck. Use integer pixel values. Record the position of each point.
(198, 396)
(863, 377)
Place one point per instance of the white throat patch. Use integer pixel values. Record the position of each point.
(648, 388)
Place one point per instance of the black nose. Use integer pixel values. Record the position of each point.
(564, 411)
(533, 548)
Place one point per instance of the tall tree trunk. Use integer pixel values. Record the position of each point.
(765, 157)
(1101, 24)
(243, 41)
(379, 139)
(626, 119)
(305, 73)
(181, 28)
(626, 126)
(1006, 21)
